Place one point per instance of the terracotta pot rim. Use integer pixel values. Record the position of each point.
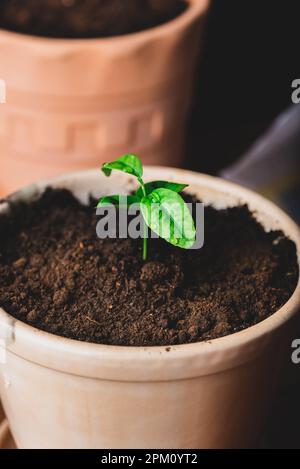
(172, 356)
(195, 9)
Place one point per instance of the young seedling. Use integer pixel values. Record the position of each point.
(163, 209)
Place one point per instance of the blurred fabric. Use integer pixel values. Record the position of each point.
(272, 165)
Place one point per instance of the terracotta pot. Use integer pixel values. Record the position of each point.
(71, 104)
(61, 393)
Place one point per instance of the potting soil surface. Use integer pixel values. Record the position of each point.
(56, 275)
(86, 18)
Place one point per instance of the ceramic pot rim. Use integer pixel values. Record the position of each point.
(195, 9)
(157, 362)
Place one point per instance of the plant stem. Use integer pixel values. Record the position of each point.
(145, 245)
(145, 231)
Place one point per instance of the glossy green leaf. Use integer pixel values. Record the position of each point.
(150, 186)
(130, 164)
(166, 213)
(118, 200)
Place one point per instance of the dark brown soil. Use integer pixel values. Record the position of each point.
(58, 276)
(86, 18)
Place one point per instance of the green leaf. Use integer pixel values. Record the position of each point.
(118, 200)
(150, 186)
(166, 213)
(130, 164)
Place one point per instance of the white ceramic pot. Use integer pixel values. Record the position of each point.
(61, 393)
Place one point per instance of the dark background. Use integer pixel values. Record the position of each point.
(251, 56)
